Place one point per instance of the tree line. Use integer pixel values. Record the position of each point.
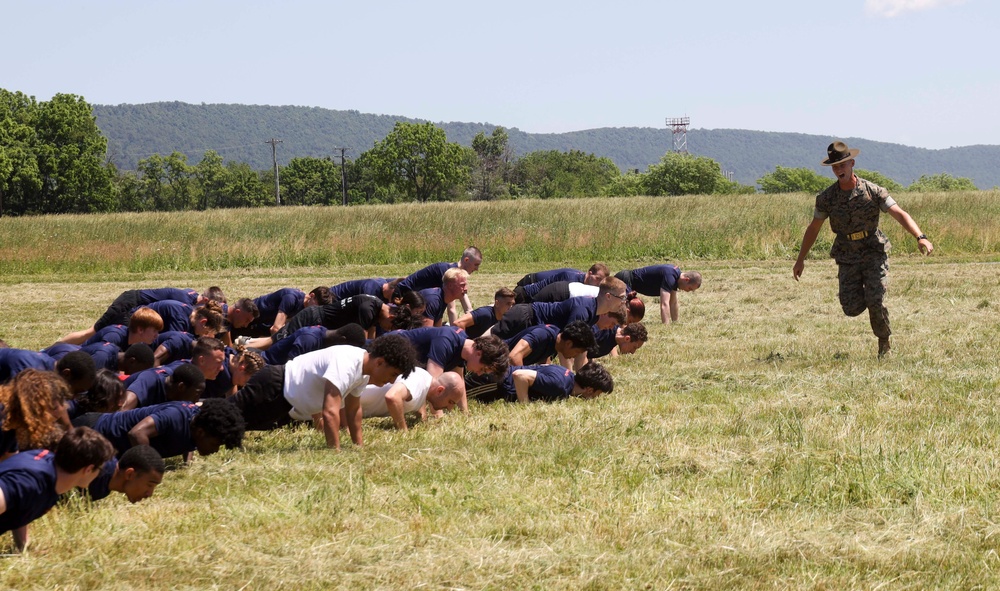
(53, 159)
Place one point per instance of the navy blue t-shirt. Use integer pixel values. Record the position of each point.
(435, 306)
(173, 427)
(564, 274)
(175, 315)
(104, 354)
(116, 334)
(178, 344)
(483, 318)
(542, 340)
(552, 382)
(14, 361)
(218, 387)
(286, 300)
(440, 344)
(347, 289)
(60, 350)
(100, 487)
(650, 280)
(562, 313)
(150, 385)
(303, 340)
(426, 278)
(605, 341)
(28, 482)
(162, 294)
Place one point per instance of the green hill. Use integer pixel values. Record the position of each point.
(239, 132)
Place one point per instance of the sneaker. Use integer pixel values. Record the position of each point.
(243, 340)
(884, 348)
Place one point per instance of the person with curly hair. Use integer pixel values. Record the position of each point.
(32, 481)
(31, 407)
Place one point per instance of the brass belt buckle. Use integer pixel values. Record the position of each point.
(858, 235)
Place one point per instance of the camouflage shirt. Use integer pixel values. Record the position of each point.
(851, 212)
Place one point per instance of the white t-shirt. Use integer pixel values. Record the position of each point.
(418, 383)
(577, 289)
(306, 377)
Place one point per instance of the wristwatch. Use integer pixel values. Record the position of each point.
(921, 237)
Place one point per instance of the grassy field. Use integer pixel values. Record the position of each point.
(756, 444)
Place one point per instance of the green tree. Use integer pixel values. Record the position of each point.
(211, 176)
(246, 187)
(418, 159)
(792, 180)
(879, 179)
(492, 169)
(311, 181)
(70, 151)
(942, 183)
(20, 179)
(685, 174)
(629, 184)
(551, 173)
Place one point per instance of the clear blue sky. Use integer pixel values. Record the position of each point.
(917, 72)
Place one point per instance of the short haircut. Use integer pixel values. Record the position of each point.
(80, 366)
(694, 277)
(81, 447)
(144, 318)
(494, 353)
(322, 295)
(350, 334)
(106, 395)
(472, 253)
(214, 294)
(249, 306)
(618, 316)
(396, 350)
(220, 418)
(600, 268)
(143, 459)
(212, 313)
(636, 331)
(611, 284)
(189, 375)
(636, 308)
(141, 353)
(593, 375)
(580, 334)
(454, 274)
(504, 292)
(205, 346)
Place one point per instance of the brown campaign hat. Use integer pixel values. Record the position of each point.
(839, 152)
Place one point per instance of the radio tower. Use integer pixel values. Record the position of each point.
(679, 127)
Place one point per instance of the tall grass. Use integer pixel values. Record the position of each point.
(749, 227)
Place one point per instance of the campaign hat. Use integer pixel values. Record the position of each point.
(838, 152)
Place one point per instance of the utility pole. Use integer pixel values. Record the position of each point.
(343, 175)
(274, 156)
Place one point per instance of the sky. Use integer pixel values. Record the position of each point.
(915, 72)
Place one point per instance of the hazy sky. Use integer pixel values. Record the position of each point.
(916, 72)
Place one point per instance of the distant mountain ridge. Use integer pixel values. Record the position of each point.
(239, 132)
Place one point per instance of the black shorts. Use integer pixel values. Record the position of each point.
(553, 292)
(527, 280)
(626, 276)
(311, 316)
(262, 401)
(120, 310)
(482, 387)
(518, 318)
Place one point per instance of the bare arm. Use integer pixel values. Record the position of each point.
(911, 226)
(452, 313)
(394, 399)
(20, 537)
(808, 239)
(279, 320)
(160, 355)
(331, 415)
(434, 369)
(520, 351)
(669, 307)
(143, 432)
(131, 401)
(523, 379)
(464, 321)
(352, 407)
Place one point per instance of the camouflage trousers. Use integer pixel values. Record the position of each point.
(863, 286)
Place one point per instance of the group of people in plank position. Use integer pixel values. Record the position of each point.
(167, 372)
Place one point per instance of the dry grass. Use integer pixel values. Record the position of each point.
(757, 444)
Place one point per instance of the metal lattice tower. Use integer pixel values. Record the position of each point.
(679, 127)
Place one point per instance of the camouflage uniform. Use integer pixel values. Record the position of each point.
(860, 249)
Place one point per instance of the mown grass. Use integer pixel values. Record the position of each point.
(752, 227)
(757, 444)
